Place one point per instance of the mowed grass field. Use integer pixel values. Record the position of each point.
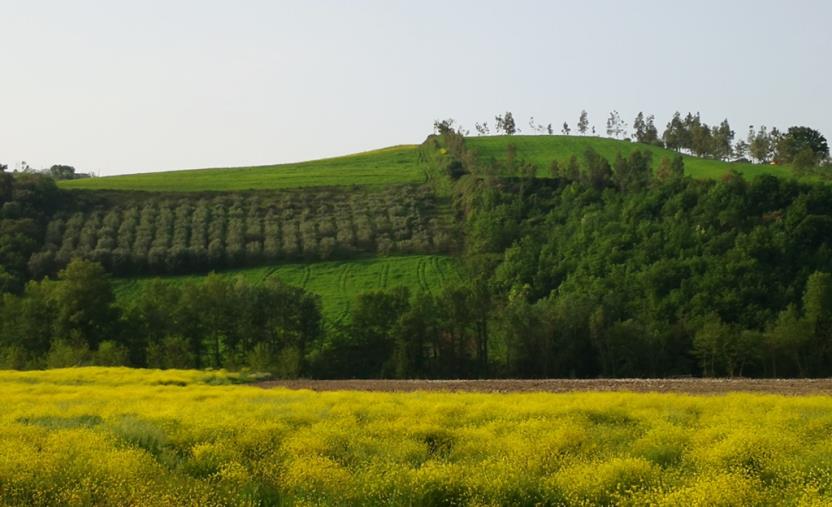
(397, 164)
(400, 164)
(542, 150)
(337, 282)
(116, 436)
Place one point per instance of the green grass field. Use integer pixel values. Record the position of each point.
(337, 282)
(397, 164)
(542, 150)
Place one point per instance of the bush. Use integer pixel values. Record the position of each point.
(289, 363)
(13, 358)
(110, 353)
(66, 354)
(173, 352)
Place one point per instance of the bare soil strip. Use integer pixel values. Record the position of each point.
(686, 385)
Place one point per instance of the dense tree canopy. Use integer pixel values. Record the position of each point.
(799, 139)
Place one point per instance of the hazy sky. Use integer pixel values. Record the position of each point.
(117, 86)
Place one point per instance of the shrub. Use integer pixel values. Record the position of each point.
(65, 354)
(172, 352)
(110, 353)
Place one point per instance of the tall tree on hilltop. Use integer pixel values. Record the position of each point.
(759, 144)
(443, 127)
(505, 124)
(651, 134)
(740, 149)
(615, 125)
(639, 128)
(776, 136)
(798, 139)
(723, 139)
(583, 123)
(699, 137)
(674, 134)
(644, 129)
(565, 129)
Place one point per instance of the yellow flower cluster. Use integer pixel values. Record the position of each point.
(116, 436)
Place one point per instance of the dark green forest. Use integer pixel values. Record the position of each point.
(606, 268)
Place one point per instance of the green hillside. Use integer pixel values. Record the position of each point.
(542, 150)
(397, 164)
(337, 282)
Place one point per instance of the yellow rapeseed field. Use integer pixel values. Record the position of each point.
(116, 436)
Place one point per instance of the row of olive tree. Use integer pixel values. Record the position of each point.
(192, 234)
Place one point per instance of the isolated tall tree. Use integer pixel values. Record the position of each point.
(583, 123)
(639, 128)
(505, 124)
(615, 125)
(565, 129)
(482, 128)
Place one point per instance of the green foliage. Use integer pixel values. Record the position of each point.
(397, 164)
(26, 201)
(217, 322)
(65, 354)
(171, 352)
(111, 353)
(803, 141)
(62, 172)
(631, 279)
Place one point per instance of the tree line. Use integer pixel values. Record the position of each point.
(803, 147)
(218, 322)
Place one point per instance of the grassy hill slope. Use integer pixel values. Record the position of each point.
(400, 164)
(542, 150)
(337, 282)
(396, 164)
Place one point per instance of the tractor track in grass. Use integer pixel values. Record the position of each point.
(421, 266)
(681, 386)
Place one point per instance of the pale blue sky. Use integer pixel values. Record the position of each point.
(117, 86)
